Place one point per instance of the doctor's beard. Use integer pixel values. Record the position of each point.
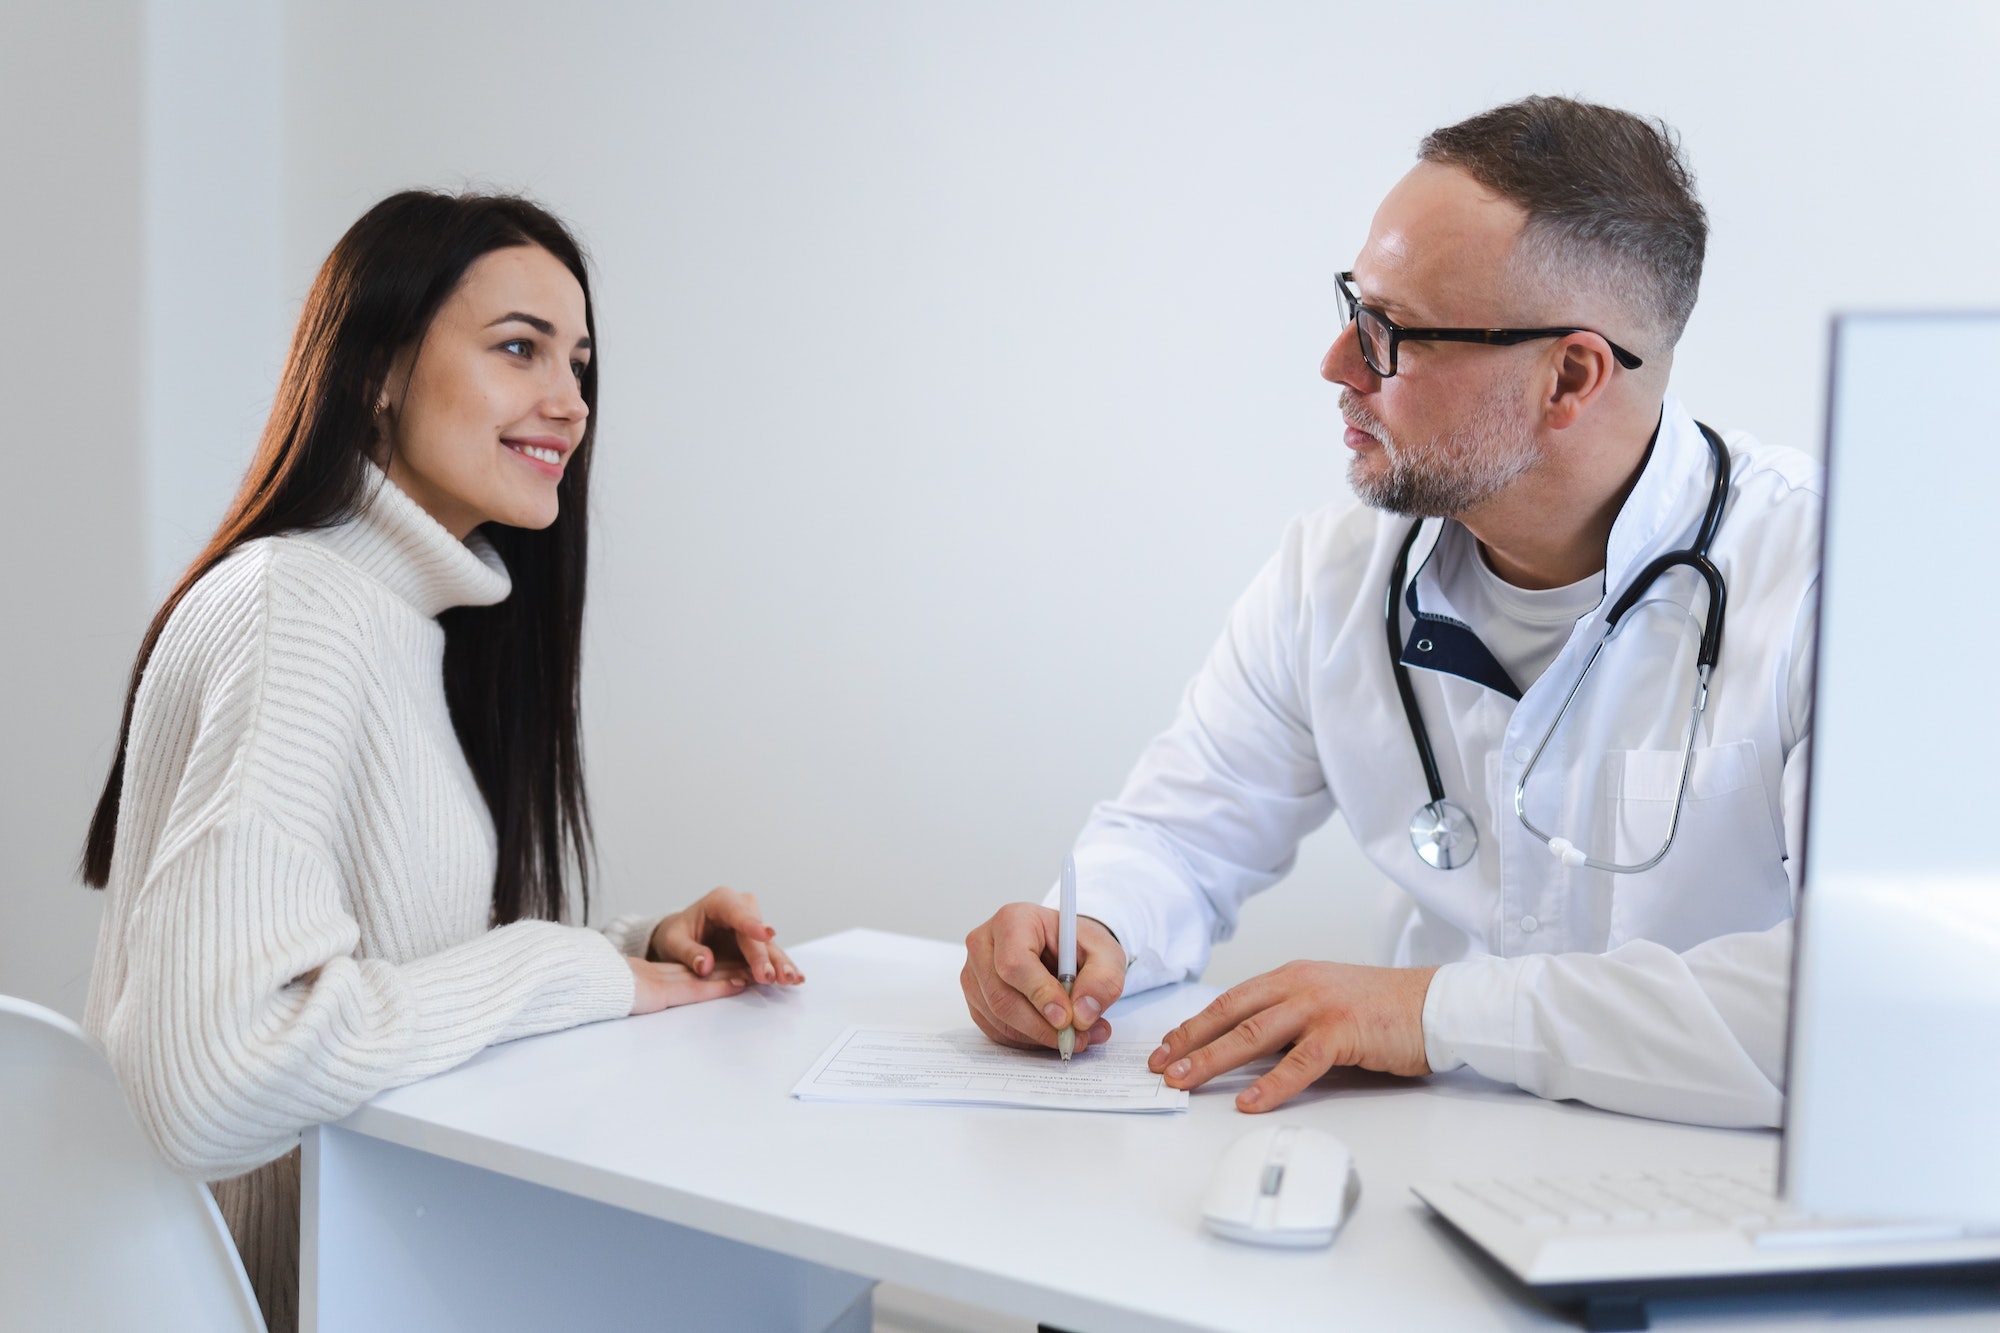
(1451, 473)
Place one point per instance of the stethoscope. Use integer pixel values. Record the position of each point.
(1441, 830)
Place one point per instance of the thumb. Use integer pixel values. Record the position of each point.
(1049, 998)
(677, 940)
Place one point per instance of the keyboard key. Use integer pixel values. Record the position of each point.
(1645, 1198)
(1549, 1199)
(1502, 1200)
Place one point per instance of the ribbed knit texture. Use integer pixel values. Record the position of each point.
(298, 911)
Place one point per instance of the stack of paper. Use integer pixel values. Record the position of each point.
(964, 1068)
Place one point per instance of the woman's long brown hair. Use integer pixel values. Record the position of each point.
(510, 670)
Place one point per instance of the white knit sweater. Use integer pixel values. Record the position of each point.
(298, 910)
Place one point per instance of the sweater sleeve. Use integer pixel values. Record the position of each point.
(245, 1018)
(229, 992)
(630, 935)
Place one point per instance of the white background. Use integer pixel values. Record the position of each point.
(959, 363)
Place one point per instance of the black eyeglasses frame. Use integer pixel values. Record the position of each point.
(1490, 337)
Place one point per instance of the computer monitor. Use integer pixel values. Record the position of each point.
(1893, 1106)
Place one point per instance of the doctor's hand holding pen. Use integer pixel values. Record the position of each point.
(1010, 978)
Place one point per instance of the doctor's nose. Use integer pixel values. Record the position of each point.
(1343, 363)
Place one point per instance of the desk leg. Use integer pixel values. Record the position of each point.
(393, 1239)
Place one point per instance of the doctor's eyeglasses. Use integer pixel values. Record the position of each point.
(1380, 336)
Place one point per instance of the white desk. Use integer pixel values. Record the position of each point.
(479, 1198)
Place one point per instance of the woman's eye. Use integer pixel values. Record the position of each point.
(518, 346)
(577, 368)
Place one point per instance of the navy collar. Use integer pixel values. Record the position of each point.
(1444, 643)
(1665, 502)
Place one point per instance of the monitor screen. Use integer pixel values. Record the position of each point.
(1893, 1105)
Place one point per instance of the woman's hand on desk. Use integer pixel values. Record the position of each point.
(714, 947)
(664, 985)
(1010, 983)
(1329, 1014)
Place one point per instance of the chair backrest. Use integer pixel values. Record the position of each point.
(95, 1231)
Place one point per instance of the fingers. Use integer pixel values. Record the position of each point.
(1100, 977)
(721, 925)
(689, 989)
(1096, 1035)
(677, 939)
(1301, 1065)
(1000, 1011)
(1224, 1012)
(788, 971)
(1023, 932)
(1328, 1013)
(1006, 1036)
(658, 986)
(726, 909)
(1256, 1033)
(995, 1032)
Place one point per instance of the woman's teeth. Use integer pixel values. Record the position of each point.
(535, 451)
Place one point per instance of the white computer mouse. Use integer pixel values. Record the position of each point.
(1282, 1185)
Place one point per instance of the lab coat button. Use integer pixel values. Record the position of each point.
(1522, 754)
(1529, 925)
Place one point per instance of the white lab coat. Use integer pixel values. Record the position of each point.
(1660, 994)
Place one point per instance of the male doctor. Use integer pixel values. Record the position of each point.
(1519, 463)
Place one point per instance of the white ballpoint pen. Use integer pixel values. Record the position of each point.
(1066, 951)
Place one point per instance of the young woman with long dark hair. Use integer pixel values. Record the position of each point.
(348, 807)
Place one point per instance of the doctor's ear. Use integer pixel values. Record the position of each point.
(1583, 369)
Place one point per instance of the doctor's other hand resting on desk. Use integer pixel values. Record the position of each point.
(1502, 661)
(1320, 1016)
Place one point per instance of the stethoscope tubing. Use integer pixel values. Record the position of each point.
(1693, 557)
(1392, 618)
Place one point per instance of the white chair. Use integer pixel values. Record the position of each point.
(95, 1231)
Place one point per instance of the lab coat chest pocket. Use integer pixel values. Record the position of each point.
(1725, 872)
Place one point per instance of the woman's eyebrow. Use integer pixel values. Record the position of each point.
(539, 325)
(535, 322)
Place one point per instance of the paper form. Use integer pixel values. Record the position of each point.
(963, 1068)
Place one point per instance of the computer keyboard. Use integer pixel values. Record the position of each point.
(1662, 1198)
(1639, 1223)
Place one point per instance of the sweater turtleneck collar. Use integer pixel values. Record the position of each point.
(394, 541)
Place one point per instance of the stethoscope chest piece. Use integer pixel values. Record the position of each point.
(1444, 835)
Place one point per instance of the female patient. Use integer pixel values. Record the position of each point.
(348, 801)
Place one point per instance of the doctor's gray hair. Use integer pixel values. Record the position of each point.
(1610, 201)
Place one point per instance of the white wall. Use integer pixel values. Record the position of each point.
(960, 361)
(72, 598)
(216, 317)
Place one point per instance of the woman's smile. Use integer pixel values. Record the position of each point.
(543, 452)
